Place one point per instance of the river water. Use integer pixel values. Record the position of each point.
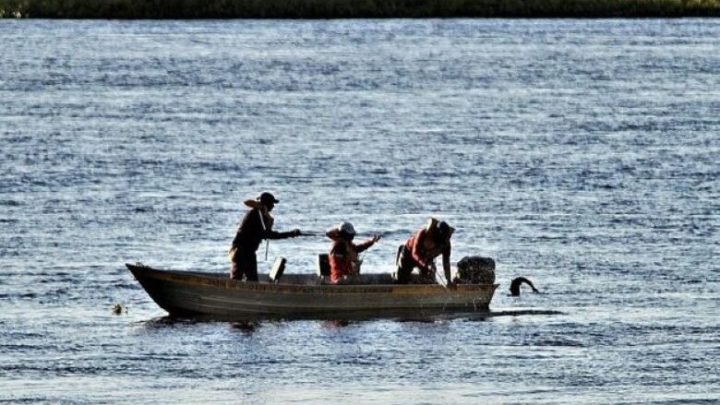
(580, 154)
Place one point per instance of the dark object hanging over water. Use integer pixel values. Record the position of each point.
(515, 286)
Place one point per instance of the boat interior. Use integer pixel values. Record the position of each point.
(314, 279)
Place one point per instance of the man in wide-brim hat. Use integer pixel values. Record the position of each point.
(255, 226)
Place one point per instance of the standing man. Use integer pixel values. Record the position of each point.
(255, 226)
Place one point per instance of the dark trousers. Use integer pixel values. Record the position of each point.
(243, 263)
(405, 265)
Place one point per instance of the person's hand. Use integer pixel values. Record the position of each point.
(376, 238)
(296, 232)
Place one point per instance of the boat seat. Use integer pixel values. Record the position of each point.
(323, 266)
(277, 269)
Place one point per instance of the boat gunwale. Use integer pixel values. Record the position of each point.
(213, 280)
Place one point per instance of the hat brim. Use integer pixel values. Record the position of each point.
(336, 234)
(274, 200)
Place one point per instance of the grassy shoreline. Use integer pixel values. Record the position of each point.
(323, 9)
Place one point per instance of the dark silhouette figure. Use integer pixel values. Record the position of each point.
(515, 286)
(255, 226)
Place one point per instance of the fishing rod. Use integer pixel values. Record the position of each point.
(362, 235)
(310, 234)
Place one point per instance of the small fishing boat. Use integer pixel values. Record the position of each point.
(189, 294)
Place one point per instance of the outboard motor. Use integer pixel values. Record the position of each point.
(475, 270)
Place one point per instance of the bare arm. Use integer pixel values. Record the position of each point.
(270, 234)
(367, 244)
(446, 261)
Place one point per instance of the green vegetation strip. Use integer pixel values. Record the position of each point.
(186, 9)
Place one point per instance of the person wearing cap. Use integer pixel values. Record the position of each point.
(255, 226)
(344, 255)
(421, 250)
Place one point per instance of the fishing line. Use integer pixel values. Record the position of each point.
(362, 235)
(267, 241)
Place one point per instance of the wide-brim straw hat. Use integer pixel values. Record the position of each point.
(341, 230)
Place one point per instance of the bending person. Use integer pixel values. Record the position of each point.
(255, 226)
(344, 255)
(421, 250)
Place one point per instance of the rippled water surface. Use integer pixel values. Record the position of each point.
(580, 154)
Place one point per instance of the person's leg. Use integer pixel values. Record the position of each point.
(234, 265)
(250, 270)
(405, 267)
(244, 264)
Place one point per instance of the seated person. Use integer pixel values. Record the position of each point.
(344, 259)
(421, 250)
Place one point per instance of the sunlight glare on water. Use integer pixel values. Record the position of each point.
(579, 154)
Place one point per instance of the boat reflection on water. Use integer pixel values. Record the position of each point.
(247, 327)
(250, 326)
